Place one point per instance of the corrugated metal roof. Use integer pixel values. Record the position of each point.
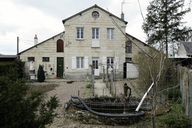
(8, 56)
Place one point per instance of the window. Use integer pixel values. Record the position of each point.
(128, 48)
(95, 14)
(80, 32)
(80, 62)
(110, 34)
(31, 59)
(110, 61)
(45, 59)
(60, 45)
(95, 33)
(128, 59)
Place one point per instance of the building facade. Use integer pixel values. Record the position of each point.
(93, 39)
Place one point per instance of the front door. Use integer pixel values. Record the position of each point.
(60, 65)
(95, 63)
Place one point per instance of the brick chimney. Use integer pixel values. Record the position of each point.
(35, 39)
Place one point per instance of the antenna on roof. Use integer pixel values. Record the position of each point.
(122, 14)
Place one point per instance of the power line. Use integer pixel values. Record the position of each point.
(140, 10)
(114, 22)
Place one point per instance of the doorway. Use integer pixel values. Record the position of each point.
(95, 64)
(60, 67)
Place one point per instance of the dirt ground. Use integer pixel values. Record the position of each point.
(64, 91)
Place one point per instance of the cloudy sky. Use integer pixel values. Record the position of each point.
(25, 18)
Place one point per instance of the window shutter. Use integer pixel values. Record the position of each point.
(117, 62)
(86, 62)
(73, 66)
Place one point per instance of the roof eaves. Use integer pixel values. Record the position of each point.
(141, 41)
(40, 43)
(137, 39)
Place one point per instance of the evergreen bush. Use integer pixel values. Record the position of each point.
(21, 109)
(19, 106)
(41, 74)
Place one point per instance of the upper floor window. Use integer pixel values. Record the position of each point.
(80, 62)
(110, 33)
(45, 59)
(60, 45)
(128, 47)
(31, 59)
(80, 32)
(95, 33)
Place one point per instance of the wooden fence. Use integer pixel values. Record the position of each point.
(185, 82)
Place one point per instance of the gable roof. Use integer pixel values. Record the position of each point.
(41, 42)
(188, 47)
(137, 39)
(94, 6)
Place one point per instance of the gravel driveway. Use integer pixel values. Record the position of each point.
(64, 91)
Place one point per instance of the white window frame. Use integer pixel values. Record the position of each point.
(95, 33)
(80, 33)
(110, 61)
(80, 62)
(110, 33)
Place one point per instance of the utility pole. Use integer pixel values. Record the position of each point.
(17, 47)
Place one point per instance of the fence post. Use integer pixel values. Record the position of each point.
(190, 94)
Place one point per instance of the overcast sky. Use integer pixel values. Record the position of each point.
(25, 18)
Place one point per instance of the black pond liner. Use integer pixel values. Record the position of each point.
(116, 109)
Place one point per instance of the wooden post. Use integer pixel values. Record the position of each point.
(92, 79)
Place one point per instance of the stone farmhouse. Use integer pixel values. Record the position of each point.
(94, 38)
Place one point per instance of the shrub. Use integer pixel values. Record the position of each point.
(15, 70)
(18, 109)
(41, 74)
(176, 118)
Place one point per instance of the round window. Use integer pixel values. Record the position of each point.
(95, 14)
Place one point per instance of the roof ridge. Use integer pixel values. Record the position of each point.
(94, 6)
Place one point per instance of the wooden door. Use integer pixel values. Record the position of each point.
(60, 67)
